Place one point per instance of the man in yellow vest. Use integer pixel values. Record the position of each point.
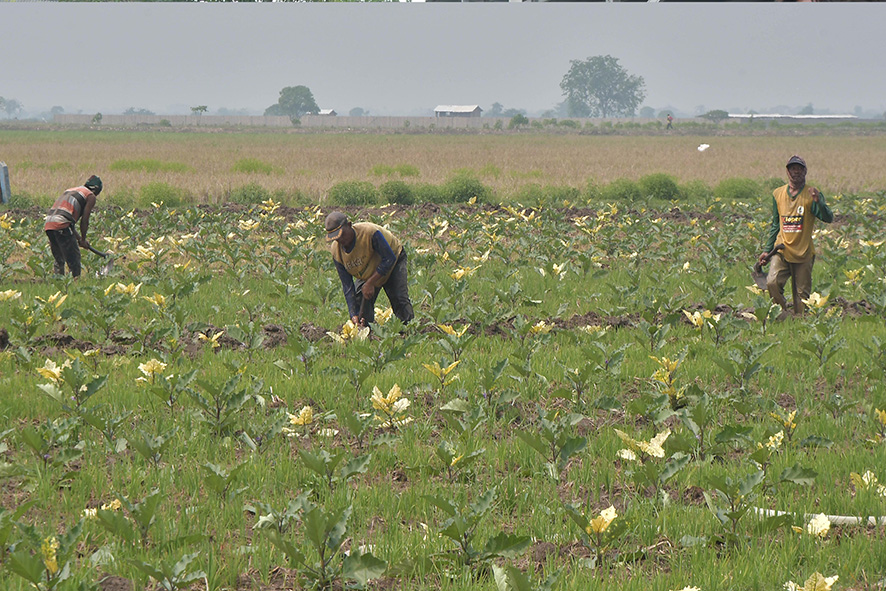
(375, 258)
(795, 207)
(65, 242)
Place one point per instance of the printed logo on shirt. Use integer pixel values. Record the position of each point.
(801, 210)
(792, 223)
(354, 264)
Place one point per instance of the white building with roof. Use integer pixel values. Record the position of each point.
(458, 111)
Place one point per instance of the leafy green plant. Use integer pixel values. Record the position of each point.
(461, 526)
(324, 533)
(553, 439)
(171, 576)
(353, 193)
(45, 561)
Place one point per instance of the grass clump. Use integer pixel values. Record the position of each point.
(739, 188)
(353, 193)
(249, 194)
(396, 192)
(254, 166)
(659, 186)
(623, 190)
(538, 195)
(427, 193)
(148, 165)
(159, 192)
(463, 188)
(696, 191)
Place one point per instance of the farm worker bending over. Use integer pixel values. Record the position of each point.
(74, 204)
(375, 258)
(794, 209)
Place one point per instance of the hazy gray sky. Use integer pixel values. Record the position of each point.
(408, 58)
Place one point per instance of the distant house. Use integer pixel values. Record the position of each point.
(458, 111)
(327, 112)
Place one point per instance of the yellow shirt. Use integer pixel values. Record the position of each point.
(795, 224)
(362, 261)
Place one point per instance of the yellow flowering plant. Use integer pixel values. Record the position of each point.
(44, 561)
(391, 407)
(600, 532)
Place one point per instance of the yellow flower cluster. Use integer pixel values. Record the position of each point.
(53, 372)
(131, 290)
(653, 448)
(152, 368)
(350, 332)
(49, 549)
(9, 294)
(601, 523)
(392, 407)
(816, 582)
(448, 329)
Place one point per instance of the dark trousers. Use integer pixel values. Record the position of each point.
(396, 290)
(65, 249)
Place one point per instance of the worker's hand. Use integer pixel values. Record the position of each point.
(815, 194)
(358, 321)
(763, 258)
(82, 242)
(368, 291)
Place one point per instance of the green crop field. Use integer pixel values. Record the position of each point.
(593, 394)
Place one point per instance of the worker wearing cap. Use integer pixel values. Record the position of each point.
(794, 209)
(368, 257)
(60, 225)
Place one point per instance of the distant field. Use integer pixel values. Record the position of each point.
(208, 166)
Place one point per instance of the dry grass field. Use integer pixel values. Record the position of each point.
(43, 162)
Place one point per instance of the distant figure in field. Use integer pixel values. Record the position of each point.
(60, 225)
(670, 121)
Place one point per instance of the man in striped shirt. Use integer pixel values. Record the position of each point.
(60, 225)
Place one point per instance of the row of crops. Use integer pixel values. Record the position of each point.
(588, 396)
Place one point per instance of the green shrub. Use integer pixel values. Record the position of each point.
(463, 188)
(123, 197)
(738, 188)
(659, 186)
(254, 165)
(773, 182)
(696, 191)
(593, 192)
(158, 192)
(251, 194)
(22, 201)
(427, 193)
(396, 192)
(550, 195)
(570, 124)
(164, 123)
(353, 193)
(148, 165)
(623, 190)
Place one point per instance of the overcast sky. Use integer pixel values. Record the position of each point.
(405, 59)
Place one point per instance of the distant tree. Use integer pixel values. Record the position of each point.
(56, 111)
(199, 110)
(495, 110)
(294, 102)
(513, 113)
(647, 113)
(97, 119)
(600, 87)
(518, 120)
(12, 107)
(358, 112)
(716, 115)
(134, 111)
(807, 110)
